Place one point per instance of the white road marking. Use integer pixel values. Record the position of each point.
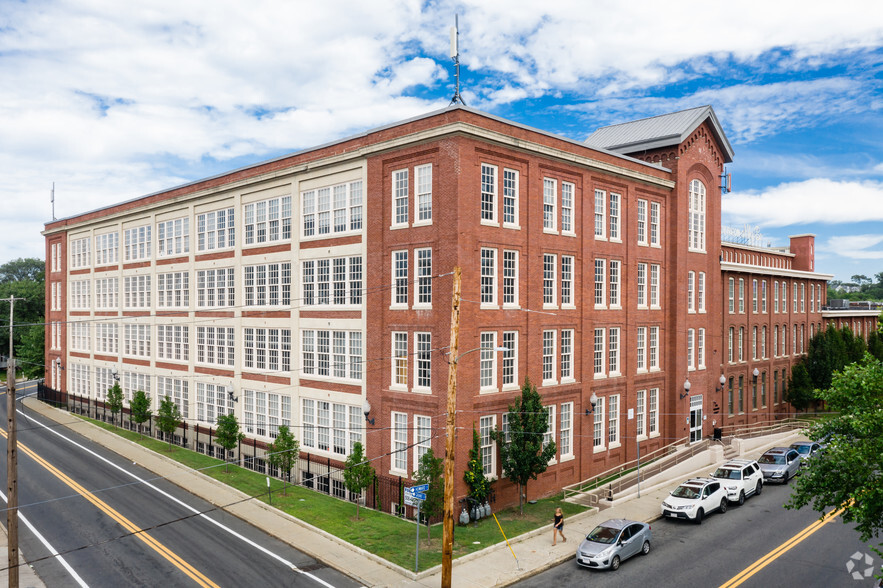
(51, 549)
(185, 505)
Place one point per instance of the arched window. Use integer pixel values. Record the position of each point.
(696, 236)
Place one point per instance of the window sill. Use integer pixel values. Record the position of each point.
(512, 226)
(566, 458)
(548, 231)
(489, 223)
(599, 449)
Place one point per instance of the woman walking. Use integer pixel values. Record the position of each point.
(558, 526)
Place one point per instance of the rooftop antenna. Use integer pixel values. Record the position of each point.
(455, 55)
(52, 199)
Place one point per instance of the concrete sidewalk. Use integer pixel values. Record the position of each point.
(494, 566)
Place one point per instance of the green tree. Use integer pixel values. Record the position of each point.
(800, 392)
(358, 473)
(167, 418)
(27, 319)
(139, 409)
(228, 436)
(115, 400)
(523, 454)
(474, 476)
(875, 345)
(282, 454)
(849, 473)
(30, 353)
(23, 269)
(430, 470)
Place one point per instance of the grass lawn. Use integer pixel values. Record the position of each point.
(379, 533)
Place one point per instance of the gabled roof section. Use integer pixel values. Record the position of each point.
(664, 130)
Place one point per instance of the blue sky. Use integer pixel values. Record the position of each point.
(112, 104)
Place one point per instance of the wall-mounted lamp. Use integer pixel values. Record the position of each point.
(366, 408)
(58, 363)
(116, 374)
(723, 380)
(594, 400)
(687, 386)
(230, 393)
(755, 373)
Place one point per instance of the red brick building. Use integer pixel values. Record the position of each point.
(315, 289)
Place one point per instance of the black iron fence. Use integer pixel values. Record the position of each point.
(320, 474)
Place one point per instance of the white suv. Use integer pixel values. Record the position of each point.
(740, 478)
(693, 499)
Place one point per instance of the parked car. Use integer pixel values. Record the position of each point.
(806, 449)
(612, 542)
(695, 498)
(741, 478)
(779, 464)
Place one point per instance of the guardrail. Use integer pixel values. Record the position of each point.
(611, 482)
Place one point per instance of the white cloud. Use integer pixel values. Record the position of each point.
(854, 246)
(817, 200)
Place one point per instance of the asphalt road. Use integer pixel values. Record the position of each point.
(719, 550)
(113, 530)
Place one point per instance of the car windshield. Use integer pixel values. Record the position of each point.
(774, 459)
(604, 535)
(685, 492)
(802, 449)
(727, 474)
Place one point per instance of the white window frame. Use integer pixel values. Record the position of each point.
(400, 198)
(615, 218)
(399, 269)
(613, 280)
(613, 439)
(216, 230)
(423, 196)
(510, 211)
(642, 222)
(550, 344)
(489, 208)
(600, 215)
(565, 432)
(550, 205)
(599, 361)
(398, 461)
(488, 267)
(550, 280)
(696, 217)
(510, 277)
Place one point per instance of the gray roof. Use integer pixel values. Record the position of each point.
(659, 131)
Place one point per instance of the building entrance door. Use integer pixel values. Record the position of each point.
(695, 418)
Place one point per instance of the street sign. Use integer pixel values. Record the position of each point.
(411, 501)
(420, 495)
(420, 488)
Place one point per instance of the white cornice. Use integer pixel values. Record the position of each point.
(773, 271)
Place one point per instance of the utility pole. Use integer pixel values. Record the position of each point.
(11, 460)
(448, 516)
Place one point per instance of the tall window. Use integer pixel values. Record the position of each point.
(174, 237)
(614, 216)
(332, 209)
(730, 345)
(613, 279)
(486, 426)
(691, 340)
(754, 296)
(400, 278)
(776, 296)
(215, 230)
(598, 426)
(700, 349)
(423, 441)
(424, 276)
(696, 230)
(613, 420)
(423, 356)
(549, 209)
(510, 278)
(400, 359)
(763, 296)
(215, 345)
(264, 412)
(488, 193)
(510, 363)
(173, 290)
(173, 342)
(136, 341)
(600, 202)
(510, 197)
(741, 295)
(599, 353)
(741, 343)
(641, 349)
(654, 285)
(488, 361)
(424, 193)
(489, 276)
(106, 294)
(212, 401)
(136, 291)
(549, 279)
(566, 280)
(600, 266)
(565, 444)
(732, 295)
(566, 354)
(400, 442)
(784, 296)
(549, 357)
(691, 291)
(642, 285)
(642, 222)
(335, 282)
(613, 351)
(567, 191)
(701, 291)
(654, 224)
(641, 413)
(400, 197)
(654, 348)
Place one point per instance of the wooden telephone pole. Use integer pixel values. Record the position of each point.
(11, 461)
(448, 517)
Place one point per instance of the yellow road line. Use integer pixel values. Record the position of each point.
(775, 553)
(137, 532)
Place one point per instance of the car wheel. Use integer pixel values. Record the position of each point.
(741, 497)
(646, 548)
(759, 488)
(699, 514)
(614, 563)
(724, 504)
(785, 479)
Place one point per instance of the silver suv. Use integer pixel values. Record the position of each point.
(740, 478)
(779, 464)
